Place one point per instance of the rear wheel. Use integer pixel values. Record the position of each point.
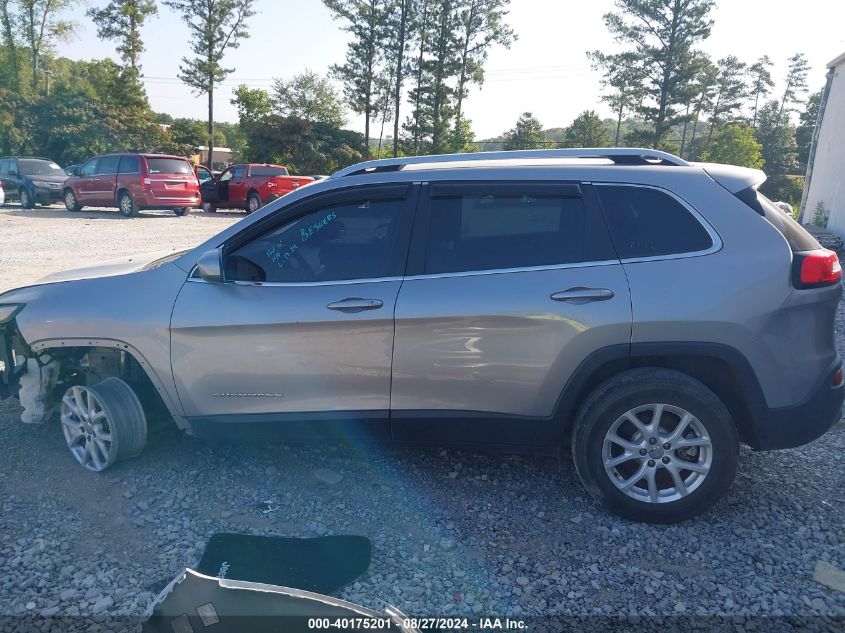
(26, 199)
(103, 424)
(126, 205)
(253, 203)
(71, 203)
(655, 445)
(180, 211)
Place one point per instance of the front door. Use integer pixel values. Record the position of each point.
(301, 330)
(510, 287)
(238, 187)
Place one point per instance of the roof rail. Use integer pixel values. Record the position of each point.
(618, 155)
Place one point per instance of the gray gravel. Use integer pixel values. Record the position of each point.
(453, 532)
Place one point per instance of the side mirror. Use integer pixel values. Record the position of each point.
(210, 266)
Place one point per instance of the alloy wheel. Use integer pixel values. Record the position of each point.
(87, 429)
(657, 453)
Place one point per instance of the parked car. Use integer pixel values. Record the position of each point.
(204, 174)
(646, 312)
(31, 180)
(2, 195)
(133, 182)
(73, 170)
(249, 187)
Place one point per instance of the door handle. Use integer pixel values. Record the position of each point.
(355, 304)
(583, 295)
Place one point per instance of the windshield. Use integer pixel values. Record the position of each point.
(35, 167)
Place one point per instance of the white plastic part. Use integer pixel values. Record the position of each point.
(34, 387)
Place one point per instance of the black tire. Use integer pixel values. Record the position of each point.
(126, 416)
(209, 208)
(26, 199)
(71, 202)
(182, 211)
(253, 203)
(126, 204)
(639, 387)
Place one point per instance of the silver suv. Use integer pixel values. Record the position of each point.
(649, 313)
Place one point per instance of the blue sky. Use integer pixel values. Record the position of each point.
(545, 71)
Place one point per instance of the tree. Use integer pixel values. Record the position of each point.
(215, 27)
(481, 24)
(699, 95)
(587, 130)
(461, 138)
(623, 77)
(122, 20)
(10, 44)
(42, 27)
(365, 21)
(308, 96)
(730, 91)
(252, 103)
(795, 84)
(760, 76)
(734, 144)
(662, 34)
(397, 35)
(806, 127)
(777, 138)
(527, 134)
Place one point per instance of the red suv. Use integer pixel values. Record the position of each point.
(132, 182)
(249, 187)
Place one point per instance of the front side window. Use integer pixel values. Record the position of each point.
(108, 165)
(89, 168)
(226, 175)
(238, 172)
(350, 240)
(513, 229)
(646, 222)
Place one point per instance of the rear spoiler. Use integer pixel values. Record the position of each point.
(734, 179)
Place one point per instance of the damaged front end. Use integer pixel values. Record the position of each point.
(13, 352)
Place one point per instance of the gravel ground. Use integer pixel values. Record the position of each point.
(453, 532)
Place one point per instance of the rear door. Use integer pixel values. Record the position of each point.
(301, 331)
(510, 287)
(171, 179)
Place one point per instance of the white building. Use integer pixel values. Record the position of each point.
(826, 169)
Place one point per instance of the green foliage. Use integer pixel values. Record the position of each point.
(41, 28)
(821, 215)
(735, 144)
(252, 103)
(308, 96)
(304, 147)
(786, 188)
(806, 127)
(729, 92)
(661, 37)
(462, 138)
(760, 76)
(122, 20)
(777, 138)
(795, 84)
(527, 134)
(587, 130)
(623, 77)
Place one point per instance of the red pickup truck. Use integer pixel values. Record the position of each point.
(249, 187)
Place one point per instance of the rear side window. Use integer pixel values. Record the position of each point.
(129, 165)
(265, 171)
(108, 165)
(169, 166)
(646, 222)
(477, 231)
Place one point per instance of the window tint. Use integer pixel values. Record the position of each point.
(227, 175)
(512, 230)
(346, 241)
(238, 172)
(129, 165)
(38, 167)
(646, 222)
(265, 170)
(169, 166)
(89, 168)
(4, 167)
(108, 165)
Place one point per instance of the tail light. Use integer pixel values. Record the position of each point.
(148, 182)
(838, 379)
(815, 269)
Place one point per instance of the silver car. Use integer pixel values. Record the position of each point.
(648, 313)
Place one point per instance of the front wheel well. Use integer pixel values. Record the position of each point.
(716, 373)
(90, 365)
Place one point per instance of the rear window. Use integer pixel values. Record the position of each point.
(796, 236)
(169, 166)
(35, 167)
(268, 171)
(646, 222)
